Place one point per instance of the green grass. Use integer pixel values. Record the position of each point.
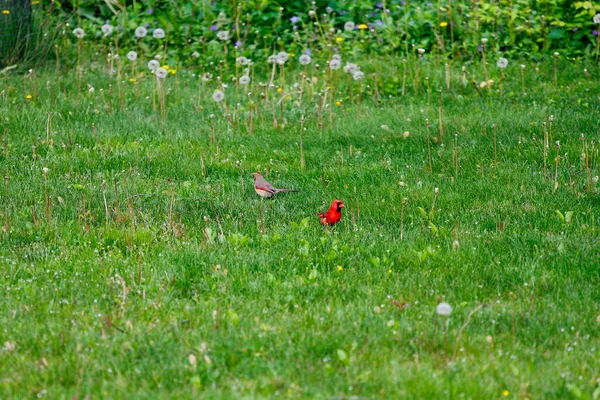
(191, 263)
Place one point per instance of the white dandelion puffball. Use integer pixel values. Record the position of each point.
(335, 64)
(132, 56)
(223, 35)
(502, 63)
(241, 60)
(358, 75)
(158, 33)
(304, 59)
(484, 40)
(107, 29)
(556, 54)
(444, 309)
(281, 57)
(244, 80)
(272, 59)
(161, 73)
(79, 33)
(141, 32)
(349, 26)
(218, 95)
(421, 51)
(196, 54)
(597, 19)
(350, 68)
(153, 65)
(336, 57)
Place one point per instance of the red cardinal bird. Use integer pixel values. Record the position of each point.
(333, 215)
(264, 189)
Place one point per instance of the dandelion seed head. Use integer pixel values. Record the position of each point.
(281, 57)
(79, 33)
(244, 80)
(241, 60)
(596, 19)
(421, 51)
(218, 96)
(349, 26)
(444, 309)
(358, 75)
(304, 59)
(223, 35)
(106, 29)
(484, 40)
(350, 68)
(132, 56)
(141, 32)
(153, 65)
(335, 64)
(161, 73)
(158, 33)
(502, 63)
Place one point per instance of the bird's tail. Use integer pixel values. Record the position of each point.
(286, 190)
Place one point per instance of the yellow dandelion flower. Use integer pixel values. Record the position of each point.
(166, 66)
(363, 26)
(132, 80)
(35, 3)
(443, 24)
(339, 268)
(505, 393)
(279, 90)
(338, 103)
(29, 97)
(339, 39)
(291, 55)
(172, 71)
(5, 12)
(389, 271)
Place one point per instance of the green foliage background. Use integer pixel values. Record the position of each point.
(528, 28)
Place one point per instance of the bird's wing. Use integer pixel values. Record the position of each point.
(262, 184)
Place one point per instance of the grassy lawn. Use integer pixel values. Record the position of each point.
(143, 265)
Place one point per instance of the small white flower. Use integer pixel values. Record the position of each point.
(45, 170)
(304, 59)
(444, 309)
(153, 65)
(223, 35)
(350, 68)
(523, 66)
(502, 63)
(349, 26)
(335, 64)
(161, 73)
(107, 29)
(596, 19)
(556, 54)
(218, 95)
(241, 60)
(141, 32)
(281, 57)
(132, 56)
(358, 75)
(196, 54)
(312, 13)
(206, 77)
(79, 33)
(158, 33)
(244, 80)
(484, 40)
(421, 51)
(91, 88)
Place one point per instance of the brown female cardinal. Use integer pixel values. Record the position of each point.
(333, 215)
(264, 189)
